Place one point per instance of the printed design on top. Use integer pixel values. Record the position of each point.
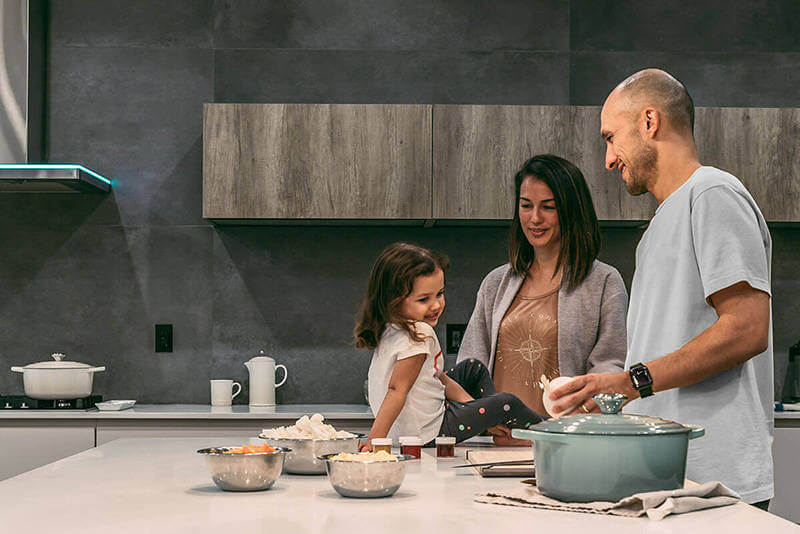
(436, 371)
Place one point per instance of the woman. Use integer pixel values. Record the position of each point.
(553, 309)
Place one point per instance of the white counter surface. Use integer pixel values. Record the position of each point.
(201, 411)
(162, 485)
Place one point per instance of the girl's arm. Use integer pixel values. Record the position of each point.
(404, 375)
(453, 390)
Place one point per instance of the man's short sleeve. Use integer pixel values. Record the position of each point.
(728, 241)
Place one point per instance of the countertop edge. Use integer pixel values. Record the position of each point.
(200, 412)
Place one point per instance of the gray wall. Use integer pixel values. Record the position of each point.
(90, 275)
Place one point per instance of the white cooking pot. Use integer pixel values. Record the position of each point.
(58, 379)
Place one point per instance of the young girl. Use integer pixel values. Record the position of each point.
(408, 390)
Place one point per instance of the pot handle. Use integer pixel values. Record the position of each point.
(285, 374)
(97, 369)
(696, 431)
(18, 369)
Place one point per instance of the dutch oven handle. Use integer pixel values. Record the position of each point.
(18, 369)
(97, 369)
(696, 431)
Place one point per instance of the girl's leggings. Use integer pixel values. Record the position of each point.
(466, 419)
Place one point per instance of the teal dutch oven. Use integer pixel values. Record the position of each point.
(608, 456)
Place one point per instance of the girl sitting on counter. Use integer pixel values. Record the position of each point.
(409, 392)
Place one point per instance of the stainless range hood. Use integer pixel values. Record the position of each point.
(23, 27)
(47, 178)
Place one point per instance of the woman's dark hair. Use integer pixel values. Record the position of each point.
(580, 232)
(390, 281)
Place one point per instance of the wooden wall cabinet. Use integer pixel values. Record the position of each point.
(295, 162)
(761, 147)
(478, 150)
(316, 161)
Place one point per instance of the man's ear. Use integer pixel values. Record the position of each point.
(651, 122)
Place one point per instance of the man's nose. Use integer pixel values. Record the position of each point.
(611, 158)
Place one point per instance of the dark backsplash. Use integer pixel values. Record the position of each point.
(90, 275)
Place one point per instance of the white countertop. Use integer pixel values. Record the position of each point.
(201, 411)
(161, 485)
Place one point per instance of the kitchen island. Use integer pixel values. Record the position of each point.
(158, 485)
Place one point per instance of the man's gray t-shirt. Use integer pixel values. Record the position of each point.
(707, 235)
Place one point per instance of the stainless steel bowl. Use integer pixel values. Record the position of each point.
(304, 456)
(366, 480)
(244, 472)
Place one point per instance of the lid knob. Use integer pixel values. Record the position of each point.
(57, 356)
(610, 403)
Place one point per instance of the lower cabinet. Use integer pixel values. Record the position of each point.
(787, 470)
(26, 445)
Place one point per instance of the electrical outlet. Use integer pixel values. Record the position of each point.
(163, 338)
(455, 333)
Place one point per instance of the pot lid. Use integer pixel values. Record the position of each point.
(57, 363)
(260, 358)
(610, 422)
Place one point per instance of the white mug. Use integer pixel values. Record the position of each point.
(222, 392)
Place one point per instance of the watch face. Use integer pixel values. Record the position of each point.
(640, 377)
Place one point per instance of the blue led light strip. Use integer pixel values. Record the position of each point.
(56, 166)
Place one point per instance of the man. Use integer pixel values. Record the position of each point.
(699, 321)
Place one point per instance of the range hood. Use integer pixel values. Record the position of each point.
(51, 178)
(23, 54)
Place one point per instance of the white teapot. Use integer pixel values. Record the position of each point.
(262, 371)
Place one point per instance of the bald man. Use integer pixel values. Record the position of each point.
(699, 321)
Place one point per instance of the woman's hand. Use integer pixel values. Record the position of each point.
(365, 446)
(577, 393)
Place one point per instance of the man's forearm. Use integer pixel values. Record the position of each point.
(724, 345)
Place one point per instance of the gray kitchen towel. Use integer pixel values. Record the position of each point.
(656, 504)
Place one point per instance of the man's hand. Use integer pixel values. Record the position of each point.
(579, 391)
(365, 446)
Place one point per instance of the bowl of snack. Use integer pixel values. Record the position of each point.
(247, 468)
(309, 438)
(366, 475)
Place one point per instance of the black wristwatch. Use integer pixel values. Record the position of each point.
(641, 379)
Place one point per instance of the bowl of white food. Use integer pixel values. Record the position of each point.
(309, 439)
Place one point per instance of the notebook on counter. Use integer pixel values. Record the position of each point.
(482, 456)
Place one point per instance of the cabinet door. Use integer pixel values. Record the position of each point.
(787, 470)
(761, 147)
(316, 161)
(479, 149)
(27, 444)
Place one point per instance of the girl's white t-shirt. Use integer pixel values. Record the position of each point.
(423, 411)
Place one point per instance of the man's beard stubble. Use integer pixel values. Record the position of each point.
(642, 169)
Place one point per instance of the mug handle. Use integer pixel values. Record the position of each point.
(236, 384)
(285, 374)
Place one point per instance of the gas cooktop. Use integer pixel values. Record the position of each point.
(21, 402)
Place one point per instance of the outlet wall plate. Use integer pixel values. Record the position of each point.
(163, 338)
(454, 335)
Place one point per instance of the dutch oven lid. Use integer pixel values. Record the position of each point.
(610, 422)
(57, 363)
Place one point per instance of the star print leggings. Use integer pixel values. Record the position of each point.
(466, 419)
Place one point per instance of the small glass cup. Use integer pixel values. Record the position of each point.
(411, 445)
(381, 444)
(445, 447)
